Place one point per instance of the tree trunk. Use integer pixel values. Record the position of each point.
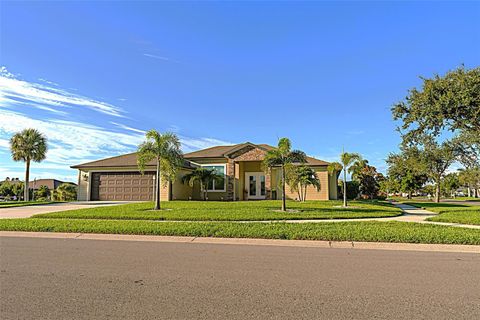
(344, 186)
(468, 191)
(437, 192)
(157, 187)
(284, 202)
(409, 196)
(26, 189)
(305, 193)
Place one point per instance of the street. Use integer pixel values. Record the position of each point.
(101, 279)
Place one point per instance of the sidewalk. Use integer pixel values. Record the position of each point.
(254, 242)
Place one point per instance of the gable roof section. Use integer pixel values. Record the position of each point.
(224, 151)
(125, 160)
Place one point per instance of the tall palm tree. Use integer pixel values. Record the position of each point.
(347, 159)
(165, 150)
(283, 156)
(204, 177)
(28, 145)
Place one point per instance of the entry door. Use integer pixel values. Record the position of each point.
(255, 185)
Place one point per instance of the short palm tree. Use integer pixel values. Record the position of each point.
(283, 157)
(204, 177)
(28, 145)
(300, 178)
(165, 150)
(347, 159)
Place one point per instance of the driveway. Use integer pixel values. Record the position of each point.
(28, 211)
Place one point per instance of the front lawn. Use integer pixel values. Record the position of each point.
(372, 231)
(232, 211)
(451, 212)
(10, 204)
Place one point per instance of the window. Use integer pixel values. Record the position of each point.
(217, 185)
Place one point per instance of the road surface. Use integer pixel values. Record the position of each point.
(102, 279)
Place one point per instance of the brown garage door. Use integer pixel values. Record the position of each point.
(122, 186)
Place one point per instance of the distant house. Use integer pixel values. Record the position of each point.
(118, 178)
(51, 184)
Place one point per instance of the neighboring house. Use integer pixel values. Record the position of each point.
(51, 184)
(118, 178)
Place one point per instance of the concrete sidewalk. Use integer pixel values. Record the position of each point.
(254, 242)
(28, 211)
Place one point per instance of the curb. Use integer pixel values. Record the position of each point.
(256, 242)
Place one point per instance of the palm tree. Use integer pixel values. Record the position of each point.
(357, 167)
(283, 156)
(300, 178)
(27, 146)
(165, 150)
(335, 168)
(204, 177)
(347, 159)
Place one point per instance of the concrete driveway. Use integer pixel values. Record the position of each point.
(28, 211)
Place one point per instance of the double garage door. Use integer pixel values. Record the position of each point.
(122, 186)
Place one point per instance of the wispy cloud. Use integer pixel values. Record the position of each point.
(127, 127)
(154, 56)
(14, 91)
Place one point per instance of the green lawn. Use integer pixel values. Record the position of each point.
(451, 212)
(10, 204)
(232, 211)
(371, 231)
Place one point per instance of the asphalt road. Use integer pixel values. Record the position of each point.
(94, 279)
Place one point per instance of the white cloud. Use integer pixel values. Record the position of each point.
(15, 91)
(122, 126)
(156, 57)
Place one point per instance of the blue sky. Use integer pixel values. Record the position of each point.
(93, 76)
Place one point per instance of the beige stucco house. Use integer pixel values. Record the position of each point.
(118, 178)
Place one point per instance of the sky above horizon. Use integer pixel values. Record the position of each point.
(93, 76)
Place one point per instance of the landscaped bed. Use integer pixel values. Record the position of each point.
(451, 212)
(10, 204)
(371, 231)
(232, 211)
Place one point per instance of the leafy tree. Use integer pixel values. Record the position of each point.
(406, 170)
(204, 177)
(449, 102)
(66, 192)
(389, 185)
(437, 158)
(6, 189)
(470, 178)
(450, 183)
(42, 193)
(165, 150)
(283, 157)
(368, 179)
(299, 178)
(18, 188)
(346, 160)
(28, 145)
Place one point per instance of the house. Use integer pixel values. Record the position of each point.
(51, 184)
(118, 178)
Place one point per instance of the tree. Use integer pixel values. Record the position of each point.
(204, 177)
(450, 102)
(346, 160)
(283, 157)
(450, 184)
(334, 168)
(368, 179)
(437, 158)
(18, 188)
(470, 178)
(6, 189)
(42, 193)
(165, 150)
(406, 170)
(299, 178)
(357, 168)
(389, 185)
(66, 192)
(28, 145)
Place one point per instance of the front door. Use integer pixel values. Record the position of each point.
(255, 185)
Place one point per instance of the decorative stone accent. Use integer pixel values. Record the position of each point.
(230, 179)
(249, 154)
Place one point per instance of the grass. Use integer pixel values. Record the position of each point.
(10, 204)
(371, 231)
(451, 212)
(466, 199)
(231, 211)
